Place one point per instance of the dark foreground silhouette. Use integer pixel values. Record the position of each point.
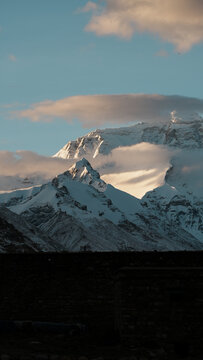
(107, 305)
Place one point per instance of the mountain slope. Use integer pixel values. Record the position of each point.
(17, 235)
(173, 211)
(74, 207)
(177, 133)
(81, 212)
(182, 212)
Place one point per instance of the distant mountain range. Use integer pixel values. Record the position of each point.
(78, 211)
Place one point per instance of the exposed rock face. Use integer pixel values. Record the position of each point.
(177, 133)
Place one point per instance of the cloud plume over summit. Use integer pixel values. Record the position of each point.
(99, 110)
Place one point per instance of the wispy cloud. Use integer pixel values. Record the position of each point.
(11, 105)
(162, 53)
(87, 48)
(179, 22)
(27, 163)
(89, 6)
(99, 110)
(135, 169)
(12, 58)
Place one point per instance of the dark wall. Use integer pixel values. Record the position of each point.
(139, 299)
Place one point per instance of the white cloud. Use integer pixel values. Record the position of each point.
(179, 22)
(138, 182)
(15, 166)
(135, 169)
(98, 110)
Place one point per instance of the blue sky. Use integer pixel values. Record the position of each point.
(46, 54)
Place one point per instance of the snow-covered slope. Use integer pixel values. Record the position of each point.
(79, 195)
(83, 172)
(173, 211)
(74, 207)
(17, 235)
(178, 133)
(77, 210)
(81, 212)
(178, 215)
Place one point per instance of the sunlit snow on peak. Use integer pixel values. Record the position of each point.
(136, 183)
(184, 117)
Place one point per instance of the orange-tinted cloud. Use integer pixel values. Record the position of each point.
(179, 22)
(99, 110)
(28, 164)
(134, 169)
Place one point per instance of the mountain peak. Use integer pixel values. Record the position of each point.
(184, 131)
(83, 171)
(81, 164)
(183, 117)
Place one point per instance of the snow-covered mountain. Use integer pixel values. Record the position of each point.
(79, 211)
(176, 214)
(19, 236)
(174, 210)
(179, 133)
